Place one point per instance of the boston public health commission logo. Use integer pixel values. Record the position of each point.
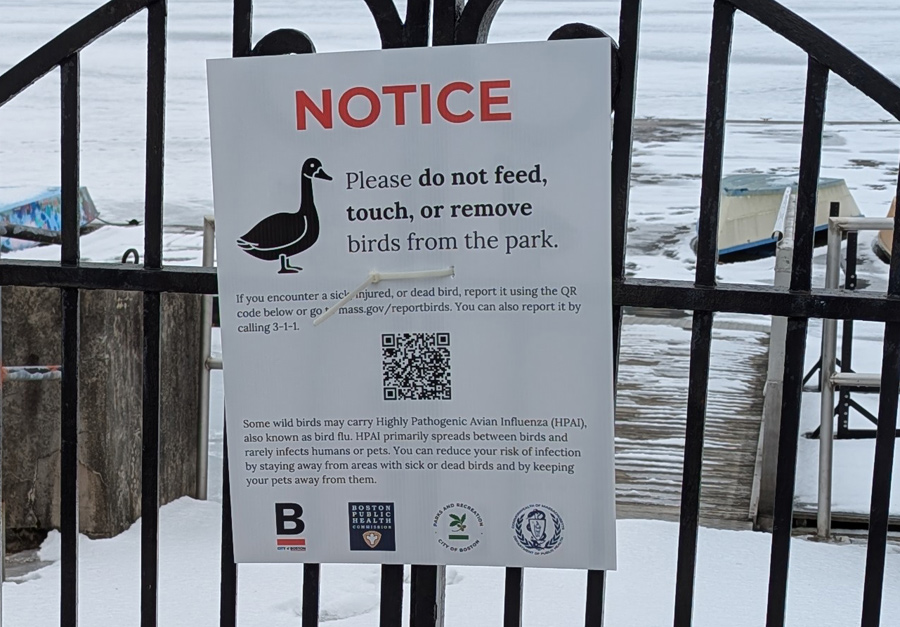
(458, 527)
(538, 529)
(371, 526)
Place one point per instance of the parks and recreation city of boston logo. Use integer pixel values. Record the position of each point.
(538, 529)
(371, 526)
(458, 527)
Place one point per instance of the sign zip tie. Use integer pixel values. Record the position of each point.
(376, 277)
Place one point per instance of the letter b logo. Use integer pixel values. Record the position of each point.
(287, 519)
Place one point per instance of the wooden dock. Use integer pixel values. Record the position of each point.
(651, 412)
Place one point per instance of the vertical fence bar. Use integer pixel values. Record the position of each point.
(156, 104)
(2, 497)
(620, 180)
(701, 334)
(714, 143)
(71, 159)
(512, 597)
(847, 336)
(623, 130)
(620, 175)
(418, 20)
(392, 30)
(229, 572)
(881, 477)
(807, 187)
(701, 345)
(426, 606)
(153, 219)
(242, 28)
(446, 15)
(391, 611)
(801, 281)
(70, 255)
(150, 462)
(884, 450)
(620, 170)
(310, 610)
(596, 595)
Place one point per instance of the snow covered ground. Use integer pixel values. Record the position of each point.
(765, 102)
(731, 583)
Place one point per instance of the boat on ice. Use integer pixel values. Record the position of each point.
(40, 209)
(749, 206)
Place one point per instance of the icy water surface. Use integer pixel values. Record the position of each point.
(767, 79)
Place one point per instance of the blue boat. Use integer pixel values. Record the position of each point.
(40, 210)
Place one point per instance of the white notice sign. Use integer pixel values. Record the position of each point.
(458, 407)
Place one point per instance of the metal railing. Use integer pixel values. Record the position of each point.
(830, 378)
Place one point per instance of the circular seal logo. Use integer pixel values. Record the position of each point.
(538, 529)
(458, 527)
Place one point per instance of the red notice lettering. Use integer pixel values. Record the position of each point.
(485, 100)
(399, 92)
(323, 114)
(445, 111)
(426, 104)
(374, 107)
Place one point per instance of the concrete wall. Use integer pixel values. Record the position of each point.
(110, 401)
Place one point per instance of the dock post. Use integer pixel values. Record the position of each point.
(763, 499)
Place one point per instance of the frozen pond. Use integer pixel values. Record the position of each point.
(767, 79)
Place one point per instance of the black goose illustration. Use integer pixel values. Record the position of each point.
(284, 235)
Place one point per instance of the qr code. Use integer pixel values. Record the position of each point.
(416, 366)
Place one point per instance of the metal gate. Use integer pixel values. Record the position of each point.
(448, 22)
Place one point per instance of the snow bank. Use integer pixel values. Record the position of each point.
(732, 573)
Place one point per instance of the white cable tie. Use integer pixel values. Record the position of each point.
(377, 277)
(346, 299)
(412, 274)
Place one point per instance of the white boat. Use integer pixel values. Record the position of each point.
(749, 206)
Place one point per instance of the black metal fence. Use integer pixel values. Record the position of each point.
(455, 22)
